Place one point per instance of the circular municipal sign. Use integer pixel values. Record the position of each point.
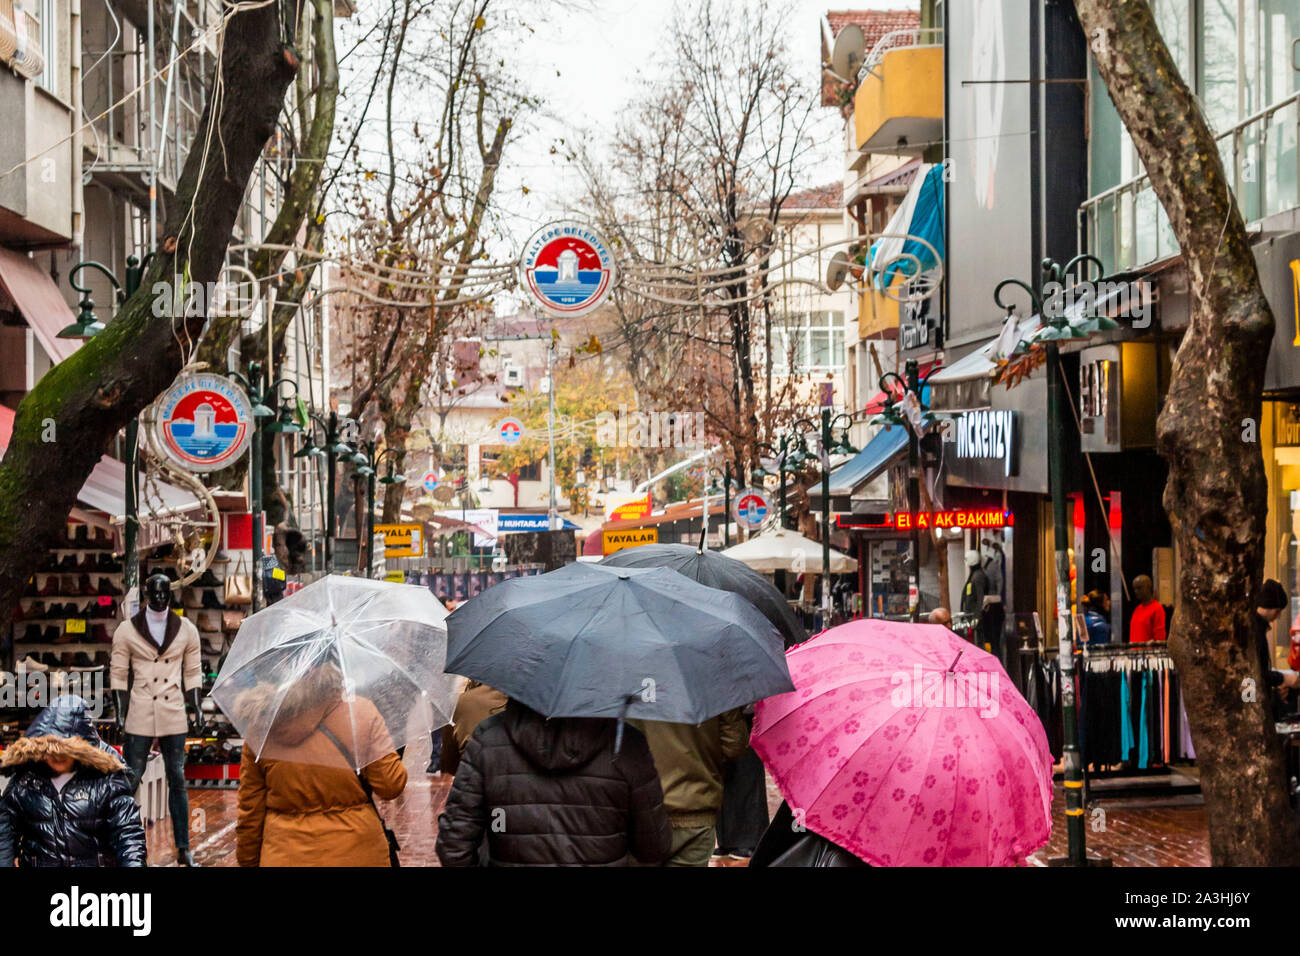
(750, 507)
(510, 430)
(567, 268)
(430, 481)
(204, 422)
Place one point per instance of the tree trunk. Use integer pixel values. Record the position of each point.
(1216, 495)
(85, 400)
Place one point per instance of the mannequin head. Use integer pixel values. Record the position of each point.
(158, 592)
(972, 559)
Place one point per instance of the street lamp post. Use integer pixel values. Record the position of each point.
(86, 327)
(910, 384)
(1056, 330)
(333, 449)
(826, 446)
(260, 393)
(725, 474)
(391, 478)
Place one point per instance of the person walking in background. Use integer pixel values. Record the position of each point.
(1269, 605)
(439, 737)
(1096, 616)
(690, 759)
(1148, 620)
(300, 802)
(69, 802)
(554, 793)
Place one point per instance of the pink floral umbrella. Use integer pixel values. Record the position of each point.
(908, 746)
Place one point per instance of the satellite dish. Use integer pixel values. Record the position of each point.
(848, 52)
(837, 271)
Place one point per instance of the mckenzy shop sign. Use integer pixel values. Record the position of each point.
(988, 433)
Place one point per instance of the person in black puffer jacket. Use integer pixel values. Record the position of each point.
(554, 793)
(69, 802)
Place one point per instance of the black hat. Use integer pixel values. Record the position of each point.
(1271, 596)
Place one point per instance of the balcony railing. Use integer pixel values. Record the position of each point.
(20, 40)
(1126, 226)
(897, 40)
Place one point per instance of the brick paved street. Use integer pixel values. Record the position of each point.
(1135, 834)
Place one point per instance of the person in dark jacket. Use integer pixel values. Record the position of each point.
(1096, 605)
(69, 802)
(787, 843)
(552, 792)
(1269, 605)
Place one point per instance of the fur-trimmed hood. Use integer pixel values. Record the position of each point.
(36, 749)
(63, 729)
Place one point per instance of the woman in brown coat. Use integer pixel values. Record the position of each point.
(299, 804)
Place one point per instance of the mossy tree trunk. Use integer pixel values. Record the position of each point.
(1216, 495)
(66, 422)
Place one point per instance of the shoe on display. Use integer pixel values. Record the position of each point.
(82, 659)
(83, 534)
(207, 580)
(49, 659)
(35, 611)
(33, 633)
(99, 633)
(68, 563)
(67, 638)
(51, 586)
(30, 663)
(108, 587)
(50, 635)
(102, 659)
(211, 603)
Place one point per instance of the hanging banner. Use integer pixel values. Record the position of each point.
(203, 422)
(567, 268)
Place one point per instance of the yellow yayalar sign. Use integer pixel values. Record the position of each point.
(402, 540)
(612, 541)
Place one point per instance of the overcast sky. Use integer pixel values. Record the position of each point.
(601, 58)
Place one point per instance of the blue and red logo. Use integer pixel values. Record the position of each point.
(567, 268)
(751, 508)
(204, 422)
(510, 430)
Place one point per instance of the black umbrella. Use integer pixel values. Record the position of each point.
(592, 641)
(717, 571)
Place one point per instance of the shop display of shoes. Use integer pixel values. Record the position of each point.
(108, 587)
(30, 663)
(33, 633)
(211, 603)
(49, 659)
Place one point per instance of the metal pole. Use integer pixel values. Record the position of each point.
(331, 465)
(370, 511)
(826, 516)
(153, 135)
(255, 467)
(914, 496)
(553, 512)
(782, 478)
(131, 526)
(726, 504)
(1071, 755)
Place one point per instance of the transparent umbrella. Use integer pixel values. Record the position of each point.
(344, 666)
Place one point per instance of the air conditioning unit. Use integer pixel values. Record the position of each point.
(513, 376)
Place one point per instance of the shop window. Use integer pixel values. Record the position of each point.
(808, 342)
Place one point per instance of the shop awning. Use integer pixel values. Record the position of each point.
(40, 303)
(105, 490)
(867, 464)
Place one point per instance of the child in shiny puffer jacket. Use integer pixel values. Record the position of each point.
(70, 801)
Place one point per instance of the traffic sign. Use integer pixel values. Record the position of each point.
(511, 431)
(750, 507)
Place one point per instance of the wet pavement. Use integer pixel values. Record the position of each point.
(1153, 833)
